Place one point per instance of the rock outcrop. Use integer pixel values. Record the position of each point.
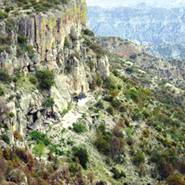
(55, 41)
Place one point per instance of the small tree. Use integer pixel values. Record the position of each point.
(39, 150)
(139, 158)
(45, 79)
(48, 102)
(82, 155)
(79, 127)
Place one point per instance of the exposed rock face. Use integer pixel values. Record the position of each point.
(47, 32)
(58, 44)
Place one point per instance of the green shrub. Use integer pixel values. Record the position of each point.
(3, 15)
(129, 70)
(45, 79)
(100, 104)
(30, 51)
(22, 40)
(117, 174)
(56, 149)
(88, 32)
(110, 83)
(33, 79)
(99, 81)
(136, 115)
(110, 143)
(139, 158)
(79, 127)
(81, 154)
(5, 138)
(48, 102)
(2, 91)
(39, 137)
(39, 150)
(110, 110)
(4, 76)
(132, 93)
(23, 47)
(67, 42)
(73, 167)
(102, 141)
(116, 103)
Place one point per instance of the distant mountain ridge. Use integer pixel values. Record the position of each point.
(161, 30)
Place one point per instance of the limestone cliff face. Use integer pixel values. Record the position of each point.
(59, 44)
(47, 31)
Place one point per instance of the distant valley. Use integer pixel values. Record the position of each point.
(160, 30)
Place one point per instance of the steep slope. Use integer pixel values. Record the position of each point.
(170, 70)
(72, 113)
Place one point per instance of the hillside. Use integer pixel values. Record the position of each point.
(160, 30)
(72, 113)
(172, 71)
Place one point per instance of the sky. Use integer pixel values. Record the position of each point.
(115, 3)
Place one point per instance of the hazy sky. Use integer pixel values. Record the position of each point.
(112, 3)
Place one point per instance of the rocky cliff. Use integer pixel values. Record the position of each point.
(68, 118)
(53, 41)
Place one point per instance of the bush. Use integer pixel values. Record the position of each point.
(136, 115)
(116, 103)
(39, 137)
(2, 91)
(5, 138)
(103, 139)
(39, 150)
(117, 174)
(99, 81)
(33, 80)
(3, 15)
(88, 32)
(23, 47)
(139, 158)
(109, 143)
(110, 83)
(81, 154)
(79, 127)
(45, 79)
(110, 110)
(4, 76)
(100, 105)
(48, 102)
(22, 40)
(132, 93)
